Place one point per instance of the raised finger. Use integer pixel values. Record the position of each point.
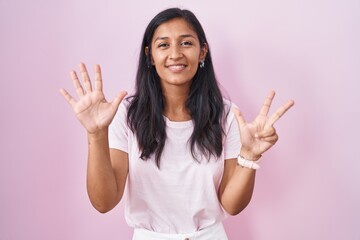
(267, 103)
(85, 77)
(98, 78)
(68, 97)
(239, 118)
(76, 83)
(280, 112)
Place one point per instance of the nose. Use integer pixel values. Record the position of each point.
(175, 52)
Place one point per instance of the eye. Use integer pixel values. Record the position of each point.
(163, 45)
(186, 43)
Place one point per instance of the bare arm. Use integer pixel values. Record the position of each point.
(106, 173)
(236, 187)
(257, 137)
(107, 169)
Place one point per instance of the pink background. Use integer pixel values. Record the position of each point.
(308, 50)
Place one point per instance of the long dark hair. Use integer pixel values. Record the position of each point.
(205, 102)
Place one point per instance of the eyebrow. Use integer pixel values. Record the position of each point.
(181, 36)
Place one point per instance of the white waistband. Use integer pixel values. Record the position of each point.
(214, 232)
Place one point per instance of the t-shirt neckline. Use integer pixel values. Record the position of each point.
(182, 124)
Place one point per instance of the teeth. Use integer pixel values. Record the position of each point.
(176, 67)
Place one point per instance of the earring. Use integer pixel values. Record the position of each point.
(202, 63)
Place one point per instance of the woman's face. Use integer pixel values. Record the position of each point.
(176, 53)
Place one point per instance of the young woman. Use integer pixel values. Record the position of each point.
(187, 156)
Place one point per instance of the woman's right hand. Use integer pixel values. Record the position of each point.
(92, 109)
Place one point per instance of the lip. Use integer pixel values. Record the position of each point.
(176, 67)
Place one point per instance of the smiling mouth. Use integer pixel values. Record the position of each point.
(177, 67)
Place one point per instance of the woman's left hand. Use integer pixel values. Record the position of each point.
(260, 135)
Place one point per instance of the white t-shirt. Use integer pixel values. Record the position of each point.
(181, 196)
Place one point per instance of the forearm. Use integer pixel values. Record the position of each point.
(238, 191)
(101, 181)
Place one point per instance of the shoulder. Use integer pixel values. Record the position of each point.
(229, 121)
(228, 109)
(124, 105)
(122, 111)
(229, 104)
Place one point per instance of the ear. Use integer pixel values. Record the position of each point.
(203, 52)
(147, 53)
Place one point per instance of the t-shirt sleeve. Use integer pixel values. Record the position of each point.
(118, 130)
(232, 141)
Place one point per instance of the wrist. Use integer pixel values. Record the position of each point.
(249, 155)
(246, 163)
(98, 135)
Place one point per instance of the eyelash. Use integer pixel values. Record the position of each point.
(185, 43)
(162, 45)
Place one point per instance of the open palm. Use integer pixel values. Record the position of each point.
(92, 109)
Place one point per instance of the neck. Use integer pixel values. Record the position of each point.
(175, 100)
